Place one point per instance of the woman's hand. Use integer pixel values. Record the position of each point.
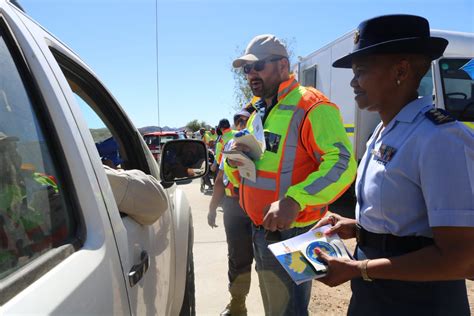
(343, 226)
(339, 270)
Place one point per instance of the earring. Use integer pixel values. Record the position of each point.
(398, 82)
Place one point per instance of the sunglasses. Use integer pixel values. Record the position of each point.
(258, 65)
(241, 121)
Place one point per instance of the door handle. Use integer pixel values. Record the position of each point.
(138, 270)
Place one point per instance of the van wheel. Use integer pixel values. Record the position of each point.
(189, 303)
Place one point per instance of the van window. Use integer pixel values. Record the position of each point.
(34, 217)
(458, 88)
(309, 77)
(426, 85)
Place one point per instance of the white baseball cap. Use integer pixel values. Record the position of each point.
(261, 47)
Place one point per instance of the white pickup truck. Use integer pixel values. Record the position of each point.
(65, 247)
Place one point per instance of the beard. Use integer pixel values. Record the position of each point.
(266, 88)
(263, 89)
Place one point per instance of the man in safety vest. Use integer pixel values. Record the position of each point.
(238, 228)
(307, 164)
(212, 135)
(226, 134)
(204, 136)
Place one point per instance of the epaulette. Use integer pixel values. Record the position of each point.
(439, 116)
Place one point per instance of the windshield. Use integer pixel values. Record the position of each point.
(458, 88)
(152, 140)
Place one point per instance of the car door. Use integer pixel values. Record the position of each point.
(144, 248)
(58, 254)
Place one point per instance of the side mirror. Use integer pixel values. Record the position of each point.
(182, 160)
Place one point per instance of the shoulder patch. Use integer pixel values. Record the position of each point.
(439, 116)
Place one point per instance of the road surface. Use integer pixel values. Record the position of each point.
(210, 260)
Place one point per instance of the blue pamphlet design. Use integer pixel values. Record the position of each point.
(297, 256)
(324, 246)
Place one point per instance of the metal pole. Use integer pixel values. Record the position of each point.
(157, 76)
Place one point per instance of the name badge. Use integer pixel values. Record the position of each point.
(272, 141)
(384, 154)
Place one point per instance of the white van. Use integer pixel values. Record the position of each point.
(451, 87)
(65, 247)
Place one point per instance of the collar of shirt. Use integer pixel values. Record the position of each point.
(409, 112)
(262, 109)
(412, 109)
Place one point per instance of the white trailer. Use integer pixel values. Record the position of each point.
(452, 88)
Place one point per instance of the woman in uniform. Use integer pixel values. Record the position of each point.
(415, 184)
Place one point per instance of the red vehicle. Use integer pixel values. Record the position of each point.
(156, 140)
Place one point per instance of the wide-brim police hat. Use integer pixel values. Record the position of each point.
(394, 34)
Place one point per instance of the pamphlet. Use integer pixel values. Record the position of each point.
(297, 256)
(331, 245)
(256, 148)
(248, 169)
(256, 144)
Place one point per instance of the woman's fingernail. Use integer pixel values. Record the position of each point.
(317, 250)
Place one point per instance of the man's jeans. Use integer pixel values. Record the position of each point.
(238, 230)
(280, 295)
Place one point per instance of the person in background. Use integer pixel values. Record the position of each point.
(31, 215)
(204, 137)
(308, 163)
(238, 228)
(212, 138)
(226, 134)
(415, 208)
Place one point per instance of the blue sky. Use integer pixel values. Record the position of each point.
(198, 39)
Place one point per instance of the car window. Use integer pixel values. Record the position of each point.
(34, 215)
(107, 146)
(117, 144)
(112, 134)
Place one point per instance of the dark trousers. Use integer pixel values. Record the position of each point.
(390, 297)
(238, 230)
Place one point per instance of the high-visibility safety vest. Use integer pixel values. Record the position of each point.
(212, 137)
(231, 181)
(308, 156)
(227, 135)
(205, 138)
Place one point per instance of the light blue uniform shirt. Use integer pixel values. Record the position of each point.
(416, 175)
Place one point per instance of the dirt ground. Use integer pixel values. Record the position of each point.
(334, 301)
